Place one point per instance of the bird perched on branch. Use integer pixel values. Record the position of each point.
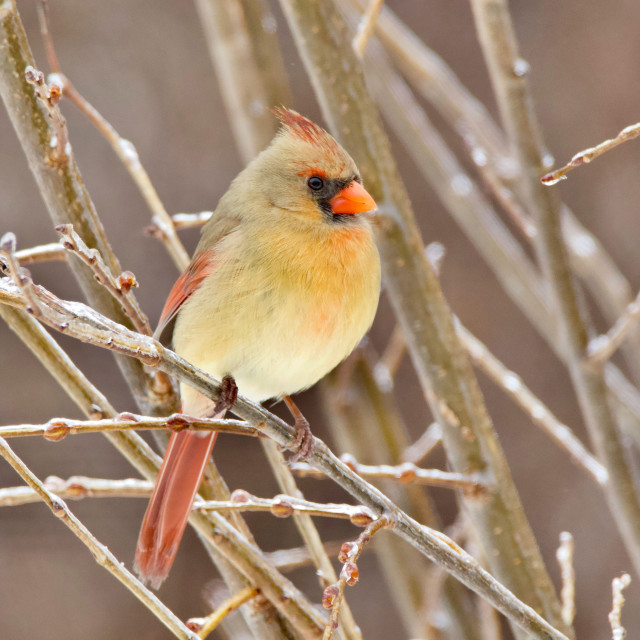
(282, 287)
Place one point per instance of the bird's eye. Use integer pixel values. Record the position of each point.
(315, 183)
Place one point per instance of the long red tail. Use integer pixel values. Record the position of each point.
(168, 511)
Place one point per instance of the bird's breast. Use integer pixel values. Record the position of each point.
(282, 311)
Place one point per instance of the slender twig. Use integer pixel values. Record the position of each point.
(407, 472)
(79, 321)
(183, 221)
(539, 413)
(118, 286)
(102, 555)
(393, 353)
(564, 555)
(618, 632)
(77, 488)
(49, 95)
(296, 557)
(204, 626)
(603, 347)
(424, 445)
(508, 74)
(58, 428)
(366, 26)
(283, 506)
(588, 155)
(349, 553)
(41, 253)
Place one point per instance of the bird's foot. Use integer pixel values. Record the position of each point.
(227, 397)
(303, 443)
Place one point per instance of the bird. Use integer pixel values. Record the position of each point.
(283, 286)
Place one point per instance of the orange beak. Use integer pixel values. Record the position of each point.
(354, 198)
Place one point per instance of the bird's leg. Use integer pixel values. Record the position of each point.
(227, 397)
(303, 444)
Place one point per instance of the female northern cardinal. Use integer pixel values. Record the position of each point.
(283, 285)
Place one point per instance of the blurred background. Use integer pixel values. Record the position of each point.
(145, 66)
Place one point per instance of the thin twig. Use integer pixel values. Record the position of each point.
(296, 557)
(618, 632)
(77, 488)
(407, 472)
(204, 626)
(283, 506)
(540, 414)
(102, 555)
(119, 287)
(41, 253)
(366, 26)
(58, 428)
(564, 555)
(601, 348)
(424, 445)
(587, 155)
(333, 595)
(393, 353)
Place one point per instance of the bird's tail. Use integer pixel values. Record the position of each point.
(168, 511)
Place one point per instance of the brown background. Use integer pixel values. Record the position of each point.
(146, 68)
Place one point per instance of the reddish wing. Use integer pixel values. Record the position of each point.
(201, 266)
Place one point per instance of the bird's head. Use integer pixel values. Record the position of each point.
(308, 176)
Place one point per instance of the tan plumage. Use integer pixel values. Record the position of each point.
(282, 288)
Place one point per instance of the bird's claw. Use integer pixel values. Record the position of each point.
(228, 395)
(303, 443)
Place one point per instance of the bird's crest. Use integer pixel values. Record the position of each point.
(305, 129)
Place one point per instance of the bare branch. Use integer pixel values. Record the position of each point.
(283, 506)
(406, 472)
(77, 488)
(564, 555)
(424, 445)
(41, 253)
(63, 190)
(366, 26)
(119, 287)
(204, 626)
(587, 155)
(124, 149)
(58, 428)
(102, 555)
(603, 347)
(618, 632)
(349, 553)
(539, 413)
